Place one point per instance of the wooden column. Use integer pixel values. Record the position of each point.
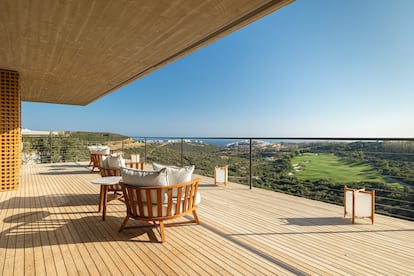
(10, 130)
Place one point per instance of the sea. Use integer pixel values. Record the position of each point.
(216, 142)
(213, 141)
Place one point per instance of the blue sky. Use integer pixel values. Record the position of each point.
(320, 68)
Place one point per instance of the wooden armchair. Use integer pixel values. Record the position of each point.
(111, 172)
(96, 159)
(96, 153)
(105, 189)
(157, 204)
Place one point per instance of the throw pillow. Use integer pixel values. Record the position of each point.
(144, 178)
(112, 162)
(176, 175)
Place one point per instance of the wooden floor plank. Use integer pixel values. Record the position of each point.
(124, 264)
(320, 245)
(6, 251)
(134, 261)
(39, 261)
(51, 226)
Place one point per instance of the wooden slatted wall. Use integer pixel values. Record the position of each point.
(10, 130)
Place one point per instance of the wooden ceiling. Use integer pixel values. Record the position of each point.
(76, 51)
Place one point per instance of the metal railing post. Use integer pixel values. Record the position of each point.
(251, 167)
(50, 147)
(182, 152)
(145, 149)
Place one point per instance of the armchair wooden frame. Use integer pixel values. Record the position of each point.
(162, 204)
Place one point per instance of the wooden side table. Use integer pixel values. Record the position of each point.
(105, 183)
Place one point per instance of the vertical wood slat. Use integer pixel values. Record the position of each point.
(170, 202)
(149, 202)
(10, 130)
(185, 204)
(159, 202)
(178, 204)
(138, 200)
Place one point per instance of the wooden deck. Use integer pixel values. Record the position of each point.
(51, 226)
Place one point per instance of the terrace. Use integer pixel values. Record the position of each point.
(49, 222)
(51, 226)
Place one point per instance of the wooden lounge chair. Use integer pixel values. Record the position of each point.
(108, 168)
(96, 153)
(157, 204)
(96, 160)
(116, 189)
(111, 172)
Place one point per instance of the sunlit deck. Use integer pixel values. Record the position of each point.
(51, 226)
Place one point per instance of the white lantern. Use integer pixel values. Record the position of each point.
(359, 203)
(221, 175)
(134, 157)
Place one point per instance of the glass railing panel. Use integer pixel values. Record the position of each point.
(311, 168)
(320, 169)
(65, 147)
(208, 153)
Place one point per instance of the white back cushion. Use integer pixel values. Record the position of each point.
(176, 175)
(144, 178)
(99, 150)
(135, 177)
(112, 162)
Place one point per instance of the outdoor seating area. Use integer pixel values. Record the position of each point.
(99, 153)
(51, 225)
(156, 196)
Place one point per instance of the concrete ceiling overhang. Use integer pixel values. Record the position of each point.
(77, 51)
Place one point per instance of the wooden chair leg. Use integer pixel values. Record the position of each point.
(162, 231)
(196, 217)
(123, 224)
